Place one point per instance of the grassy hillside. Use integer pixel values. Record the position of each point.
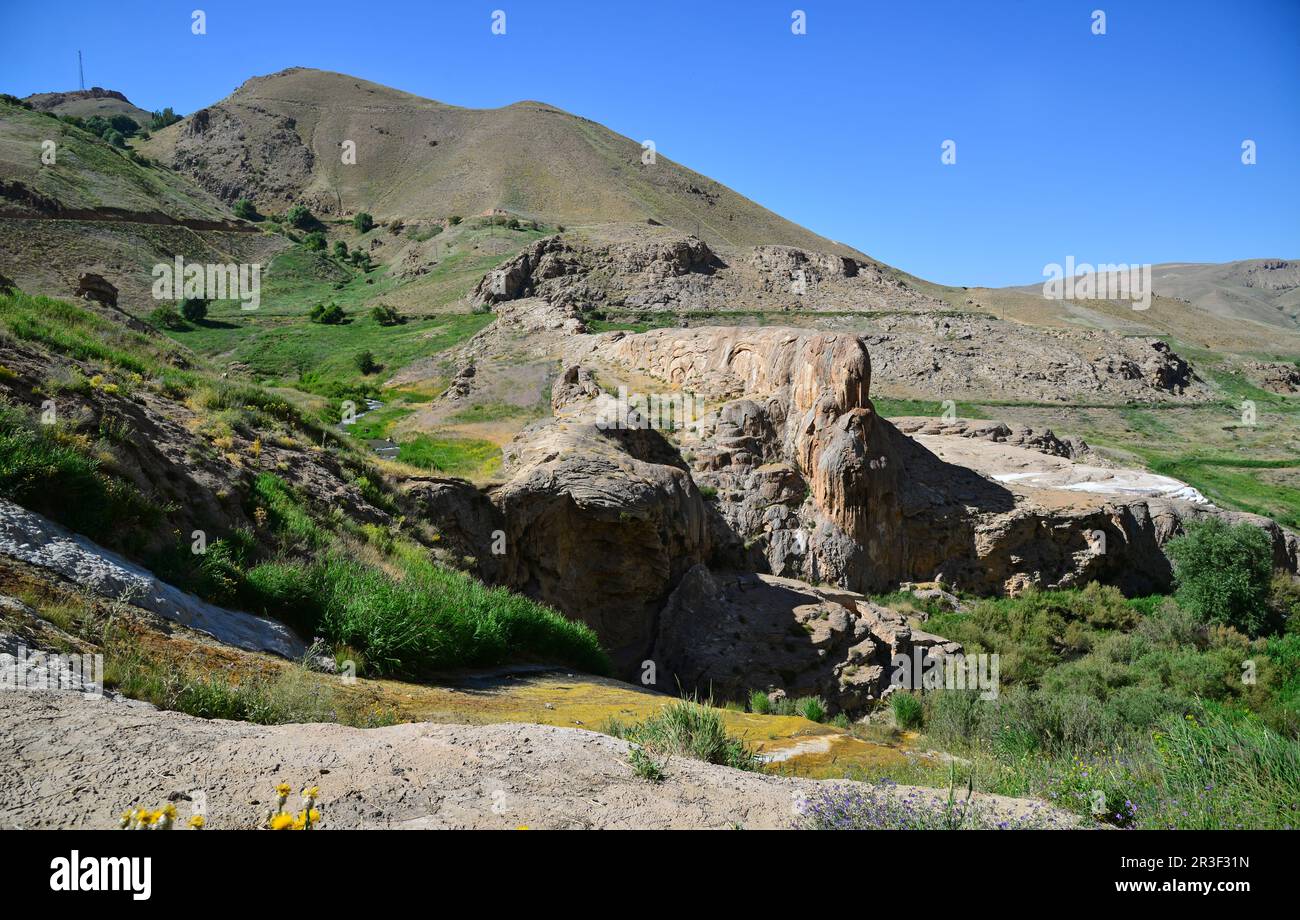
(88, 173)
(420, 158)
(148, 444)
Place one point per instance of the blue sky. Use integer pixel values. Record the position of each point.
(1123, 147)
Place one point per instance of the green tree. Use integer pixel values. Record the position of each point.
(365, 362)
(385, 315)
(167, 317)
(1223, 573)
(245, 210)
(327, 314)
(362, 222)
(299, 216)
(194, 309)
(315, 241)
(340, 249)
(162, 119)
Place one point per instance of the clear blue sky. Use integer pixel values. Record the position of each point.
(1117, 148)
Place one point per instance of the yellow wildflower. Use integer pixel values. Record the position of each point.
(197, 822)
(281, 822)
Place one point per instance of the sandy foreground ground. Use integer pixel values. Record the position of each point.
(69, 761)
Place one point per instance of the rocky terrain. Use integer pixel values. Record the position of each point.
(75, 763)
(714, 441)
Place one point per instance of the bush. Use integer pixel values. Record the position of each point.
(300, 217)
(327, 314)
(363, 222)
(811, 708)
(340, 249)
(365, 362)
(385, 315)
(1223, 573)
(361, 260)
(245, 210)
(689, 729)
(167, 317)
(907, 709)
(760, 702)
(194, 309)
(315, 241)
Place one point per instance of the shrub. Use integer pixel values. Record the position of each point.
(430, 620)
(245, 210)
(385, 315)
(167, 317)
(300, 217)
(811, 708)
(340, 249)
(327, 314)
(907, 709)
(363, 222)
(194, 309)
(315, 241)
(365, 362)
(880, 806)
(689, 729)
(1223, 573)
(760, 702)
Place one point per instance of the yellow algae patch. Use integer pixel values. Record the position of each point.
(791, 744)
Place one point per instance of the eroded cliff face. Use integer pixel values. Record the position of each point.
(670, 541)
(601, 523)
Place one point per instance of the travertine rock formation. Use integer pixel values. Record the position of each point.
(730, 634)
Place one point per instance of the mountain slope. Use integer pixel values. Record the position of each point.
(1264, 290)
(278, 139)
(87, 102)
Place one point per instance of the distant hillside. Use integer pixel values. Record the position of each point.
(87, 102)
(87, 174)
(279, 139)
(1264, 290)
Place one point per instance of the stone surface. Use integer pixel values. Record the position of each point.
(35, 540)
(415, 775)
(735, 633)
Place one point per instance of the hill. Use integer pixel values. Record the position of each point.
(87, 102)
(278, 140)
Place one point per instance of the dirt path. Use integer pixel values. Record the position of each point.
(67, 761)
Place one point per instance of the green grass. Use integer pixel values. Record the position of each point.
(428, 621)
(495, 412)
(689, 729)
(376, 425)
(893, 408)
(44, 469)
(469, 458)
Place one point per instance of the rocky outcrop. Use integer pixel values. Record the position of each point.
(730, 634)
(1044, 441)
(32, 539)
(97, 288)
(602, 523)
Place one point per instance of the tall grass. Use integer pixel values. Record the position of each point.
(429, 620)
(687, 728)
(43, 469)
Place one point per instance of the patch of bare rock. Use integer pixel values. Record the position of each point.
(69, 761)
